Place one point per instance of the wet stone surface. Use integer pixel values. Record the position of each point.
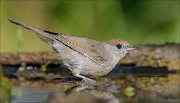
(125, 84)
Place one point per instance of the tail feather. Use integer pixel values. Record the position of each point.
(45, 36)
(27, 26)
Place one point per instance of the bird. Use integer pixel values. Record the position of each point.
(82, 56)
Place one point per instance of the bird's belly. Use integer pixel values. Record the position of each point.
(86, 66)
(96, 70)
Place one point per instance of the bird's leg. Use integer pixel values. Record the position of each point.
(76, 73)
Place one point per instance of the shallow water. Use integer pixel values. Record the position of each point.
(125, 84)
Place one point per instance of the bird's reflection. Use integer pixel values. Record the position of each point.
(84, 94)
(99, 95)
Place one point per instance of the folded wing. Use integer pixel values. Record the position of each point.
(94, 50)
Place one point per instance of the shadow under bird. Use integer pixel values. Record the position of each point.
(83, 56)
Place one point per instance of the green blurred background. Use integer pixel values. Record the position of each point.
(136, 21)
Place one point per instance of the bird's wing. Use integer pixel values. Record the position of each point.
(92, 49)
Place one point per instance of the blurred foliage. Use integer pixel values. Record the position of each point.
(5, 88)
(137, 21)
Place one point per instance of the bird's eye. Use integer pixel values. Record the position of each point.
(119, 46)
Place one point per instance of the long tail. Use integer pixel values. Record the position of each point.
(27, 26)
(44, 35)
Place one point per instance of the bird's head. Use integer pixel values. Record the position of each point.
(123, 46)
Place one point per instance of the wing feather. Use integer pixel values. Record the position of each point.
(92, 49)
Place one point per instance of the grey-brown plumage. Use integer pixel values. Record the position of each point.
(81, 55)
